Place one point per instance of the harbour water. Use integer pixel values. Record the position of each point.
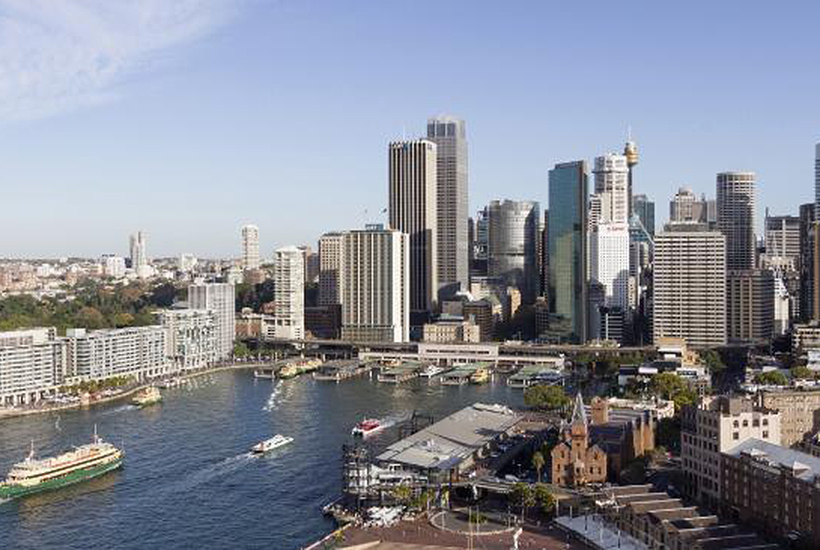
(189, 478)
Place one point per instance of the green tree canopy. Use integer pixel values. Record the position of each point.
(545, 397)
(803, 373)
(538, 463)
(774, 378)
(543, 497)
(668, 385)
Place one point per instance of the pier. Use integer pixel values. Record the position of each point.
(402, 372)
(534, 374)
(459, 376)
(342, 369)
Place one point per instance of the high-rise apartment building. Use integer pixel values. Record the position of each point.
(130, 351)
(330, 262)
(113, 266)
(413, 209)
(139, 254)
(750, 303)
(289, 293)
(221, 299)
(782, 234)
(513, 232)
(735, 213)
(375, 285)
(611, 185)
(190, 337)
(250, 247)
(690, 285)
(449, 135)
(567, 249)
(32, 365)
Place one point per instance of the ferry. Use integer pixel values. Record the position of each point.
(366, 427)
(270, 444)
(83, 463)
(148, 396)
(480, 376)
(431, 371)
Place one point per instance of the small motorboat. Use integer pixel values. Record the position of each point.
(270, 444)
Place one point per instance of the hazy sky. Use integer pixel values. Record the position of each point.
(187, 119)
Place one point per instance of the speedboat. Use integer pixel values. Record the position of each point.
(270, 444)
(367, 427)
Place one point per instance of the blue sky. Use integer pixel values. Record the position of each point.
(187, 119)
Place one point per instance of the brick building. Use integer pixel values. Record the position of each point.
(574, 461)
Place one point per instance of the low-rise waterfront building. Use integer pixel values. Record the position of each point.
(32, 365)
(134, 351)
(190, 341)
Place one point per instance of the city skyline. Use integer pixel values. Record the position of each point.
(158, 118)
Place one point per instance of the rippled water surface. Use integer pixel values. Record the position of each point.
(189, 480)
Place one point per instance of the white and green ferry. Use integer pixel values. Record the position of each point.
(81, 464)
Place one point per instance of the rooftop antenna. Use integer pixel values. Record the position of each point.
(629, 132)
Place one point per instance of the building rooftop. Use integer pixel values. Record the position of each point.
(805, 466)
(448, 442)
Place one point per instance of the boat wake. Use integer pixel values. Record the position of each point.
(219, 469)
(394, 419)
(121, 408)
(273, 400)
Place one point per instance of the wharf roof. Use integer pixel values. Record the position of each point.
(451, 440)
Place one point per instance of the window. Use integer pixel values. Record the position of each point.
(765, 434)
(736, 424)
(735, 436)
(745, 423)
(765, 421)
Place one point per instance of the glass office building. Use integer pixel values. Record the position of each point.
(567, 234)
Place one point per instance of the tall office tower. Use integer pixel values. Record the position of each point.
(645, 210)
(221, 299)
(250, 247)
(735, 212)
(375, 287)
(750, 301)
(611, 184)
(513, 230)
(594, 212)
(289, 293)
(481, 244)
(330, 262)
(686, 207)
(413, 197)
(449, 135)
(609, 262)
(545, 258)
(806, 301)
(782, 237)
(139, 253)
(631, 154)
(690, 285)
(817, 182)
(567, 234)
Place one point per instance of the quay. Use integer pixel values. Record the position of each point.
(402, 372)
(342, 369)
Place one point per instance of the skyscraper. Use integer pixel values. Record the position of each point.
(817, 182)
(609, 262)
(413, 199)
(690, 285)
(782, 237)
(139, 253)
(289, 293)
(449, 135)
(645, 210)
(611, 185)
(567, 249)
(374, 285)
(513, 232)
(686, 207)
(330, 262)
(250, 247)
(750, 299)
(736, 210)
(221, 299)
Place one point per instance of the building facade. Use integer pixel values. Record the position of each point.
(736, 211)
(714, 427)
(690, 286)
(221, 299)
(289, 293)
(450, 136)
(375, 285)
(190, 341)
(576, 462)
(611, 185)
(413, 209)
(250, 247)
(32, 365)
(330, 261)
(139, 352)
(799, 412)
(750, 306)
(513, 235)
(450, 332)
(567, 251)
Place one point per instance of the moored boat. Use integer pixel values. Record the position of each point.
(366, 427)
(274, 442)
(81, 464)
(148, 396)
(480, 376)
(431, 371)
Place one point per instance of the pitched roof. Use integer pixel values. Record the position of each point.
(579, 414)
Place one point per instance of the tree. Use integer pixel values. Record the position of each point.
(771, 378)
(667, 433)
(240, 350)
(538, 463)
(543, 497)
(403, 494)
(545, 397)
(803, 373)
(523, 497)
(668, 385)
(713, 361)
